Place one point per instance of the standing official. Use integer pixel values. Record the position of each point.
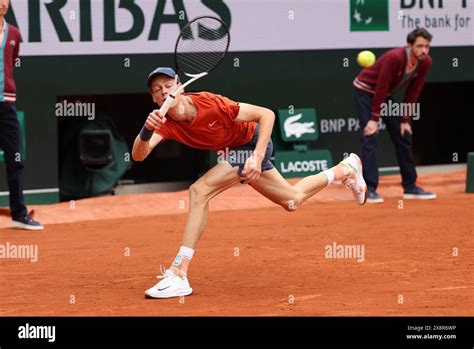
(10, 137)
(397, 68)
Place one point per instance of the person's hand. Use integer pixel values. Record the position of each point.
(405, 127)
(371, 128)
(154, 120)
(252, 169)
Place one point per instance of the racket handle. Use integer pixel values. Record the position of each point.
(167, 104)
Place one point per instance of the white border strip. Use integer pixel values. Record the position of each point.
(386, 169)
(34, 191)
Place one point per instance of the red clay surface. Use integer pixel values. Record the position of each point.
(280, 269)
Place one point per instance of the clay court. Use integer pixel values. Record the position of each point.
(97, 256)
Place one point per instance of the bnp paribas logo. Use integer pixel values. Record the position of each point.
(369, 15)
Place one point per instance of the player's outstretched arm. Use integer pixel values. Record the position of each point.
(148, 139)
(142, 148)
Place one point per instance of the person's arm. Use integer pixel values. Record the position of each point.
(390, 65)
(265, 119)
(148, 139)
(412, 93)
(416, 85)
(388, 72)
(142, 148)
(16, 49)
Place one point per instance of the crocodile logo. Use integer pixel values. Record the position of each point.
(294, 128)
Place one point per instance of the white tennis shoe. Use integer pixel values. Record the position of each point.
(172, 285)
(355, 182)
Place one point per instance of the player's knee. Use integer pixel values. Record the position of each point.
(197, 194)
(194, 191)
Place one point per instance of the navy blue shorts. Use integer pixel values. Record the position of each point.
(239, 155)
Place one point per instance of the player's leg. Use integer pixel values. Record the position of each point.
(215, 181)
(273, 186)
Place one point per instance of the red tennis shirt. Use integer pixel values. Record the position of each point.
(213, 127)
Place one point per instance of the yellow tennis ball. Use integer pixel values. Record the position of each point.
(366, 59)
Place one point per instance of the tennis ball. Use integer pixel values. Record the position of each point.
(366, 59)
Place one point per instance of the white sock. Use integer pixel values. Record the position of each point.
(186, 252)
(330, 175)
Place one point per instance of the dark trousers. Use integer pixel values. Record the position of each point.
(403, 145)
(10, 142)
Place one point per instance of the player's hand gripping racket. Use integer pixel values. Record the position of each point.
(201, 46)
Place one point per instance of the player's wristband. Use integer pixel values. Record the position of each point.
(145, 134)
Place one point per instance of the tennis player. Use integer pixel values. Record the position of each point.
(240, 133)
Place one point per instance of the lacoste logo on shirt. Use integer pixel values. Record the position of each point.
(212, 124)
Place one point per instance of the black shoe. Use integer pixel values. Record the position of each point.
(374, 197)
(27, 222)
(418, 193)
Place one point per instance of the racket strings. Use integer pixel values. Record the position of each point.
(198, 61)
(203, 47)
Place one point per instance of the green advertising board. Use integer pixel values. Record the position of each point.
(302, 163)
(369, 15)
(298, 124)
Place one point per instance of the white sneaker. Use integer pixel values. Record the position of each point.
(355, 182)
(172, 285)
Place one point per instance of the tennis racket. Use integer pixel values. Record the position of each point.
(201, 46)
